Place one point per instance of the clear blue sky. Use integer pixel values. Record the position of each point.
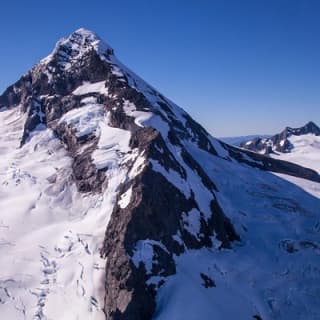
(238, 67)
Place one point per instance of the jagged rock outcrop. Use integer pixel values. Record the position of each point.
(280, 142)
(122, 135)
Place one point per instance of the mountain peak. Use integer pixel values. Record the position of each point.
(76, 45)
(312, 127)
(311, 123)
(85, 32)
(309, 128)
(280, 142)
(120, 188)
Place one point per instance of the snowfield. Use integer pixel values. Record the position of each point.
(51, 234)
(273, 272)
(305, 151)
(49, 252)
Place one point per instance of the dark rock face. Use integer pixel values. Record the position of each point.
(280, 142)
(154, 215)
(36, 117)
(207, 281)
(129, 296)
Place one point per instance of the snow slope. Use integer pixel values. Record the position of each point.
(272, 273)
(297, 145)
(305, 151)
(49, 253)
(51, 234)
(177, 226)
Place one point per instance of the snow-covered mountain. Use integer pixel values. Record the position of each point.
(237, 140)
(115, 204)
(298, 145)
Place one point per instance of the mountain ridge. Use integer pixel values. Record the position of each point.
(279, 142)
(161, 181)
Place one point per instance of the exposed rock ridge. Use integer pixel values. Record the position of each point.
(280, 142)
(262, 162)
(165, 184)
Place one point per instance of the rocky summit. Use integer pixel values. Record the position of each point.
(116, 204)
(280, 142)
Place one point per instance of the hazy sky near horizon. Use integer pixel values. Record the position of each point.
(238, 67)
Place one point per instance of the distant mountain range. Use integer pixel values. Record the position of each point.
(279, 142)
(237, 140)
(297, 145)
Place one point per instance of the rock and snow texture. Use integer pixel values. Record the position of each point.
(305, 151)
(296, 145)
(115, 204)
(237, 140)
(304, 140)
(273, 273)
(50, 234)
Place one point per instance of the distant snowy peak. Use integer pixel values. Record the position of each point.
(280, 142)
(296, 145)
(80, 42)
(237, 140)
(309, 128)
